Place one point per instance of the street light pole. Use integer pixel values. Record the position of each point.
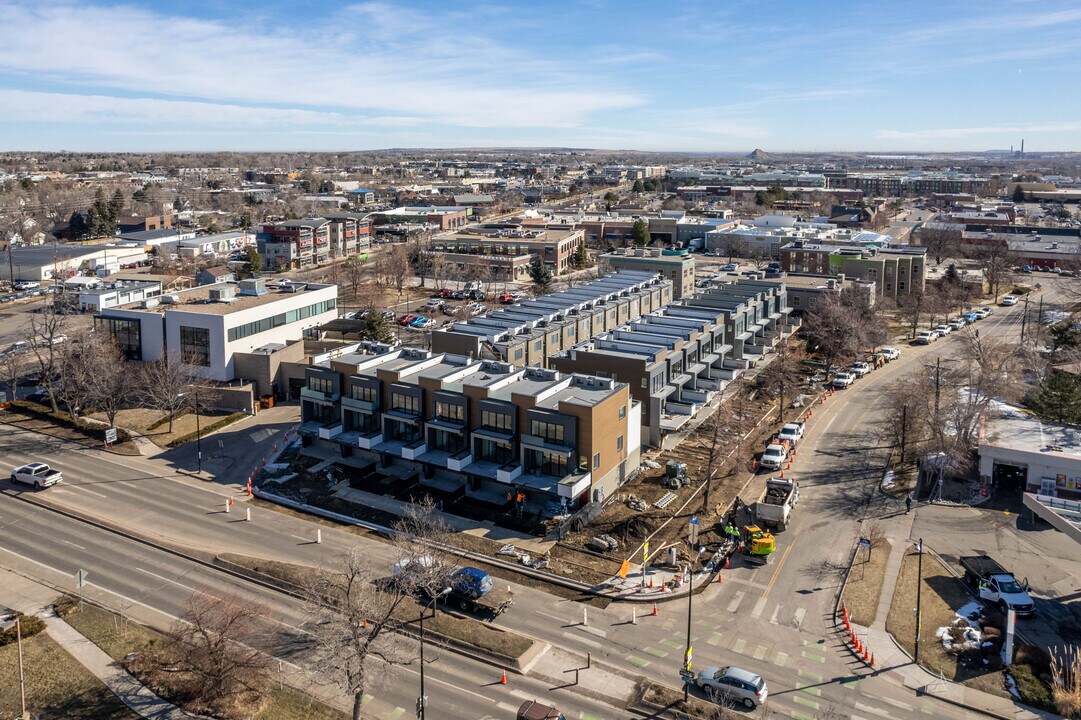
(198, 430)
(919, 587)
(422, 701)
(690, 599)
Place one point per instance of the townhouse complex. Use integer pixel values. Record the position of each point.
(675, 265)
(676, 358)
(530, 332)
(483, 429)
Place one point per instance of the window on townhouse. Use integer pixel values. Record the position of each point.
(500, 422)
(901, 285)
(547, 463)
(619, 443)
(623, 409)
(362, 393)
(550, 432)
(597, 461)
(321, 384)
(450, 412)
(405, 403)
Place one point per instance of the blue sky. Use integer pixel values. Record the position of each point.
(672, 75)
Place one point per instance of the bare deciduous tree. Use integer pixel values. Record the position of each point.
(356, 612)
(841, 325)
(941, 242)
(162, 386)
(45, 336)
(213, 646)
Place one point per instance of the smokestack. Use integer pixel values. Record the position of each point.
(1022, 146)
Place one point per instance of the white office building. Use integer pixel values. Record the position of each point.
(206, 325)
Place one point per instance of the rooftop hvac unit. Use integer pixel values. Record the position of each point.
(223, 294)
(169, 299)
(254, 286)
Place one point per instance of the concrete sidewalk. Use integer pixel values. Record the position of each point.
(892, 659)
(31, 598)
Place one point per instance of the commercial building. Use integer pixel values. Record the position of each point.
(114, 294)
(349, 234)
(894, 270)
(294, 244)
(485, 429)
(507, 250)
(676, 265)
(39, 263)
(528, 333)
(443, 218)
(205, 326)
(1024, 454)
(806, 291)
(766, 235)
(215, 245)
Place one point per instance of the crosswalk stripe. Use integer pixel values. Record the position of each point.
(871, 709)
(773, 617)
(736, 599)
(759, 607)
(800, 614)
(896, 703)
(780, 660)
(759, 652)
(738, 645)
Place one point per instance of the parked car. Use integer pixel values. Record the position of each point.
(435, 302)
(957, 324)
(943, 330)
(38, 474)
(985, 310)
(406, 319)
(733, 685)
(730, 267)
(1008, 301)
(925, 337)
(859, 369)
(388, 314)
(890, 353)
(843, 379)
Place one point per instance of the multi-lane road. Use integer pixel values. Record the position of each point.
(774, 620)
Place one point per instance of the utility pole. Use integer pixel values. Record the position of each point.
(904, 431)
(1024, 317)
(198, 430)
(919, 586)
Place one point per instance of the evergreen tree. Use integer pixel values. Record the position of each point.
(540, 275)
(79, 225)
(1058, 398)
(580, 260)
(1018, 193)
(638, 186)
(376, 327)
(254, 262)
(640, 233)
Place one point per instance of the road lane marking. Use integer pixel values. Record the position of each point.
(808, 675)
(800, 614)
(780, 565)
(165, 579)
(68, 542)
(806, 702)
(585, 641)
(872, 709)
(813, 656)
(776, 612)
(780, 660)
(896, 703)
(736, 600)
(85, 489)
(640, 662)
(759, 607)
(655, 652)
(714, 639)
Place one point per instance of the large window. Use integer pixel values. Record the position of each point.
(494, 452)
(361, 422)
(269, 323)
(362, 393)
(551, 432)
(548, 463)
(405, 403)
(127, 333)
(449, 412)
(321, 384)
(500, 422)
(195, 345)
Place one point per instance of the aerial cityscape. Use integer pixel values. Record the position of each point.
(540, 361)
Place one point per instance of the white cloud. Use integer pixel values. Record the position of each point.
(969, 132)
(373, 57)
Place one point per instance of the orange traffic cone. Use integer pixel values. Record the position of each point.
(503, 678)
(872, 659)
(782, 473)
(848, 626)
(866, 655)
(727, 563)
(655, 609)
(651, 583)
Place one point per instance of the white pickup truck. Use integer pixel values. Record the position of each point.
(37, 474)
(792, 432)
(774, 455)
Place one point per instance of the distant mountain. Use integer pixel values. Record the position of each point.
(759, 154)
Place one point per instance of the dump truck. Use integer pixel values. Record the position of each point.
(775, 508)
(472, 589)
(533, 710)
(994, 585)
(758, 544)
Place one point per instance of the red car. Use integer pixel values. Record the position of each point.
(506, 298)
(406, 319)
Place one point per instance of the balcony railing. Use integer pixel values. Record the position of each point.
(328, 398)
